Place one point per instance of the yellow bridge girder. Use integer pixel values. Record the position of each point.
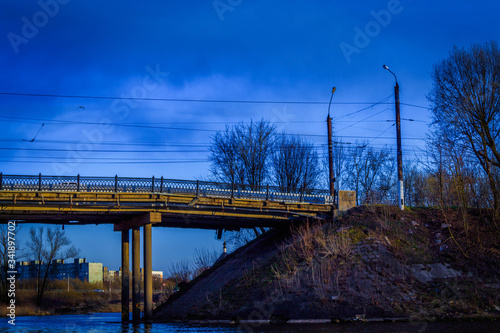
(177, 210)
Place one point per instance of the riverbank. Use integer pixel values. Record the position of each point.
(373, 263)
(65, 302)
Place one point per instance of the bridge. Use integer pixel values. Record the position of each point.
(132, 203)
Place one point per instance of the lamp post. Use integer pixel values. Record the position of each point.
(330, 153)
(67, 276)
(398, 136)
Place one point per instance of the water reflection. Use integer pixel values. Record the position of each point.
(136, 328)
(111, 322)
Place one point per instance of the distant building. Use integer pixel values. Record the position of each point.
(92, 272)
(79, 269)
(111, 276)
(158, 275)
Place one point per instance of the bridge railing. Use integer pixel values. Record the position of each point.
(162, 185)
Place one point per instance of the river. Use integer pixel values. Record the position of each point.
(110, 322)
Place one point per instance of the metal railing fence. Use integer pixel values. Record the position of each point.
(162, 185)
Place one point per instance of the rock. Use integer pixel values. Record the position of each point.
(427, 273)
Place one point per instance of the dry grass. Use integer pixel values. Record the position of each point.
(24, 310)
(60, 302)
(316, 258)
(215, 303)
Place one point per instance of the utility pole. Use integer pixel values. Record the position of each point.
(398, 138)
(331, 178)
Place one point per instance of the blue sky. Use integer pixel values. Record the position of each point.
(227, 50)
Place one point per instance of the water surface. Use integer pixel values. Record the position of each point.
(111, 322)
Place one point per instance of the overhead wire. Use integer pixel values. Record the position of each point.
(190, 99)
(113, 124)
(382, 101)
(103, 150)
(371, 116)
(111, 143)
(157, 126)
(113, 162)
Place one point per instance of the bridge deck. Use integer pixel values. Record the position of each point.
(177, 210)
(181, 203)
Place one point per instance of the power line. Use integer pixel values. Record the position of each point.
(112, 162)
(156, 125)
(360, 137)
(104, 150)
(111, 143)
(113, 124)
(382, 101)
(381, 134)
(377, 121)
(156, 144)
(194, 100)
(122, 159)
(205, 130)
(362, 120)
(416, 106)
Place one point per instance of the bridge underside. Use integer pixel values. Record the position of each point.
(177, 211)
(170, 220)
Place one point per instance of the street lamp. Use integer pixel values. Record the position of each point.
(398, 136)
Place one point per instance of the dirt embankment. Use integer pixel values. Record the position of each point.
(373, 262)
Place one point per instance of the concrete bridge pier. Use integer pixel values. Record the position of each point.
(125, 276)
(146, 221)
(148, 273)
(136, 274)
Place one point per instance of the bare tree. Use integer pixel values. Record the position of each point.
(295, 164)
(376, 173)
(455, 177)
(241, 153)
(45, 246)
(180, 272)
(371, 173)
(340, 161)
(203, 259)
(436, 169)
(157, 282)
(466, 98)
(353, 179)
(412, 184)
(255, 147)
(226, 164)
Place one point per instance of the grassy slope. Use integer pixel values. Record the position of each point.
(357, 266)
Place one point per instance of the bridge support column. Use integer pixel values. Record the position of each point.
(148, 273)
(125, 276)
(136, 273)
(135, 223)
